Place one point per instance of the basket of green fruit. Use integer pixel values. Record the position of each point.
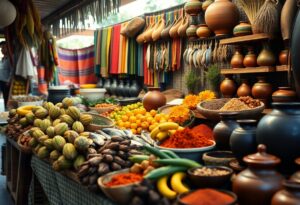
(99, 122)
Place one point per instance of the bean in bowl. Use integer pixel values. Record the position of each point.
(207, 171)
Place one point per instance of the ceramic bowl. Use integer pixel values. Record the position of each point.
(120, 194)
(210, 181)
(95, 125)
(93, 93)
(214, 113)
(233, 195)
(128, 101)
(218, 158)
(190, 153)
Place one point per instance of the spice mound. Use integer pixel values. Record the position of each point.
(242, 103)
(207, 197)
(124, 178)
(190, 138)
(211, 172)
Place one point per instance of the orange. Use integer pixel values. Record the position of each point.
(145, 125)
(129, 114)
(138, 122)
(149, 119)
(122, 128)
(157, 117)
(143, 111)
(124, 118)
(133, 131)
(139, 130)
(139, 116)
(133, 126)
(127, 124)
(132, 119)
(136, 111)
(153, 112)
(120, 123)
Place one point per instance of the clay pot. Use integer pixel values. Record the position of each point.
(165, 32)
(134, 89)
(288, 14)
(114, 87)
(295, 53)
(258, 183)
(193, 7)
(183, 27)
(266, 57)
(228, 87)
(262, 90)
(280, 131)
(203, 31)
(174, 29)
(284, 94)
(221, 16)
(289, 195)
(154, 99)
(237, 59)
(243, 139)
(206, 4)
(250, 59)
(107, 85)
(244, 89)
(242, 29)
(191, 32)
(283, 57)
(222, 131)
(160, 25)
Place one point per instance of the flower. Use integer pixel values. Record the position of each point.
(191, 101)
(207, 95)
(179, 114)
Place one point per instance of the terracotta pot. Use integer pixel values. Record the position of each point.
(243, 139)
(237, 59)
(262, 90)
(154, 99)
(193, 7)
(160, 25)
(222, 131)
(183, 27)
(228, 87)
(258, 183)
(279, 131)
(266, 57)
(283, 57)
(295, 53)
(250, 59)
(284, 94)
(242, 29)
(203, 31)
(165, 32)
(191, 32)
(206, 4)
(174, 29)
(290, 195)
(244, 89)
(288, 14)
(221, 16)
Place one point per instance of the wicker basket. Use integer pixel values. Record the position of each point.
(93, 127)
(23, 148)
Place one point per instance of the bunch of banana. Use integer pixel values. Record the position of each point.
(176, 182)
(164, 130)
(23, 110)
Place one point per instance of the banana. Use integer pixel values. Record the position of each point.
(163, 188)
(154, 132)
(176, 183)
(25, 110)
(171, 132)
(165, 126)
(180, 128)
(162, 135)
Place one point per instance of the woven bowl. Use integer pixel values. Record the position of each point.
(96, 126)
(167, 109)
(210, 110)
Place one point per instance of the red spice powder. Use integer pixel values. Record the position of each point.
(124, 178)
(188, 138)
(203, 129)
(207, 197)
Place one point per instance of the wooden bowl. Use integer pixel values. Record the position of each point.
(101, 110)
(211, 110)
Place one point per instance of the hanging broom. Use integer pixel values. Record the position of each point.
(267, 18)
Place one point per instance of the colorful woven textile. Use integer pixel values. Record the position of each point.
(76, 65)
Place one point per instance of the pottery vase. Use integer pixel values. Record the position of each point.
(221, 17)
(174, 29)
(289, 195)
(203, 31)
(126, 91)
(295, 53)
(237, 59)
(280, 131)
(228, 87)
(243, 139)
(262, 90)
(206, 4)
(193, 7)
(250, 59)
(106, 85)
(183, 27)
(284, 94)
(242, 29)
(165, 32)
(191, 32)
(260, 181)
(266, 57)
(287, 18)
(244, 89)
(160, 25)
(284, 57)
(222, 131)
(154, 99)
(148, 33)
(135, 89)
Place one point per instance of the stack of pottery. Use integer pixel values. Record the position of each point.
(193, 7)
(237, 59)
(206, 4)
(191, 32)
(262, 90)
(284, 94)
(228, 87)
(242, 29)
(203, 31)
(266, 57)
(250, 59)
(244, 89)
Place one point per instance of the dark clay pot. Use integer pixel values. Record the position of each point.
(222, 131)
(134, 89)
(127, 88)
(121, 89)
(243, 139)
(280, 132)
(295, 52)
(284, 94)
(154, 99)
(260, 181)
(283, 57)
(290, 195)
(107, 85)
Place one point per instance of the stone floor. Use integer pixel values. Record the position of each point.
(5, 198)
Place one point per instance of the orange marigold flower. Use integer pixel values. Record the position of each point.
(206, 95)
(191, 101)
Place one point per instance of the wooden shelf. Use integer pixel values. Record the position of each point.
(281, 68)
(261, 69)
(247, 38)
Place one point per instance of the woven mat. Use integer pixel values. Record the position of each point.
(61, 190)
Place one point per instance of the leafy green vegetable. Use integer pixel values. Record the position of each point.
(93, 103)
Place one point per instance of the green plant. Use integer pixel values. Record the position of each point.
(213, 75)
(192, 80)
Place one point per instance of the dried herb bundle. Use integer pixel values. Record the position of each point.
(251, 8)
